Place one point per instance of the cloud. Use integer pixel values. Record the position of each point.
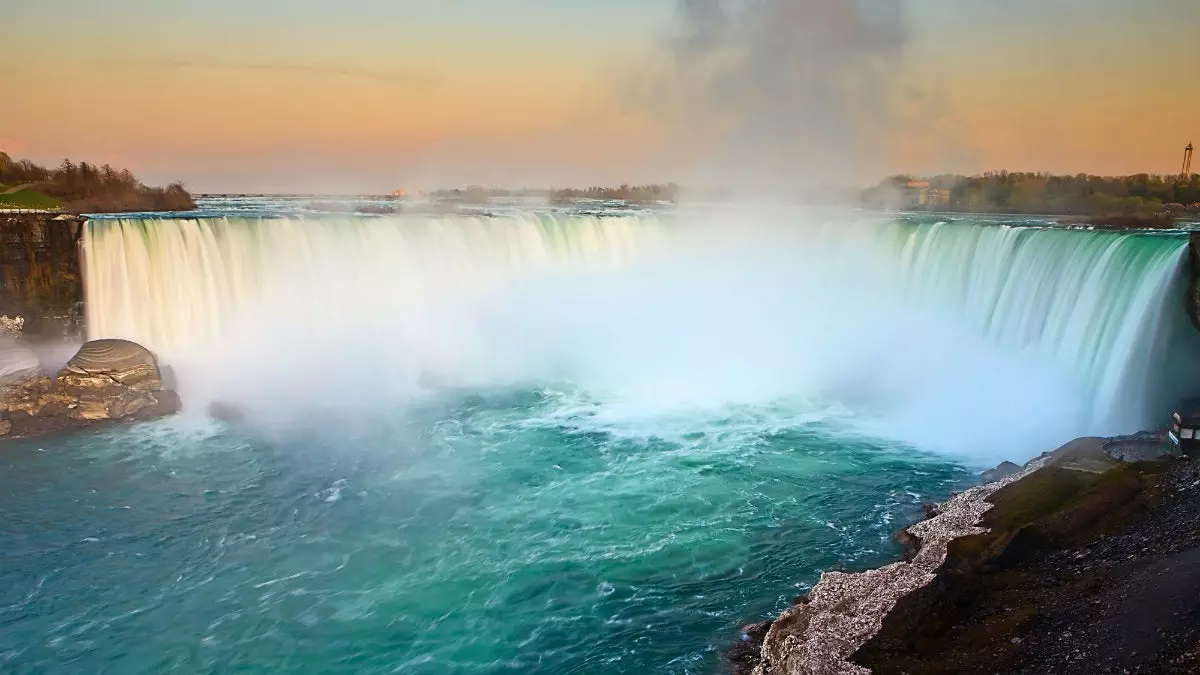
(787, 91)
(409, 78)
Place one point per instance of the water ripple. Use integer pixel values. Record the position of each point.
(498, 538)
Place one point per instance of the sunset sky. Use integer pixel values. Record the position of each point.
(367, 95)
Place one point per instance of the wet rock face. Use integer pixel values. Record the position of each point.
(745, 655)
(1193, 292)
(106, 381)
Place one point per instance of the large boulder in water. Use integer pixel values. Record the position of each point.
(106, 381)
(223, 411)
(107, 363)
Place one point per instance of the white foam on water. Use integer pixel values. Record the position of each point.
(977, 340)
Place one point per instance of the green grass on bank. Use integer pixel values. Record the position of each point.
(28, 199)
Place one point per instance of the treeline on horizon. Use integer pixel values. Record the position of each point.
(637, 194)
(87, 188)
(1044, 193)
(992, 192)
(634, 194)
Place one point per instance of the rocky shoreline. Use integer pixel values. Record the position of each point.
(1085, 560)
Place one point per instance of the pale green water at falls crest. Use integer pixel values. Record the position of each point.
(548, 443)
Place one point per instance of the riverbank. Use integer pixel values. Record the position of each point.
(84, 188)
(1086, 561)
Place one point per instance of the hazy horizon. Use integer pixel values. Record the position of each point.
(366, 96)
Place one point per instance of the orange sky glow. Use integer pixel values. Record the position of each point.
(363, 97)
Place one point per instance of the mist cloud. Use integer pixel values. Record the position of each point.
(785, 92)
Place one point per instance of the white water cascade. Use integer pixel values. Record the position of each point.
(958, 326)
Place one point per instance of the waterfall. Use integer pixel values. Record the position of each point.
(175, 283)
(930, 321)
(1108, 305)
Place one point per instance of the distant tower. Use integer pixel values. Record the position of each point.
(1187, 162)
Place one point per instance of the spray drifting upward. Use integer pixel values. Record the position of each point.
(934, 334)
(791, 91)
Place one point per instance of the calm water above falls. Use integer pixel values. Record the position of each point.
(645, 435)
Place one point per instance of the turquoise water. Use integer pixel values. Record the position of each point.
(550, 442)
(500, 532)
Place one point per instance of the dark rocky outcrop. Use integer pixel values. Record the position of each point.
(1079, 572)
(1193, 292)
(1004, 469)
(1085, 560)
(743, 656)
(845, 610)
(107, 381)
(40, 272)
(226, 412)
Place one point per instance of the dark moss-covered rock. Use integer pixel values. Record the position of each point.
(1192, 300)
(1087, 560)
(106, 381)
(992, 590)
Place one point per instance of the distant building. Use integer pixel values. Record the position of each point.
(937, 197)
(1187, 162)
(921, 193)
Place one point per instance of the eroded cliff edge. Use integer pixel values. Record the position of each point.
(1192, 301)
(1078, 563)
(41, 273)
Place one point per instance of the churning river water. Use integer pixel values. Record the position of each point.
(546, 442)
